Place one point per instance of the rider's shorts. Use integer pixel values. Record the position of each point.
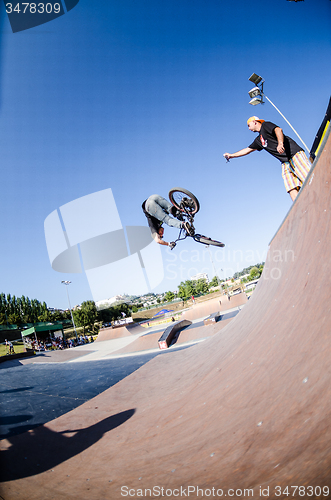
(295, 171)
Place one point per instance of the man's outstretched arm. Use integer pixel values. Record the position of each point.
(242, 152)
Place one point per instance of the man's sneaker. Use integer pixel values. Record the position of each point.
(188, 228)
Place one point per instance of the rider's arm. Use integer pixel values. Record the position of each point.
(242, 152)
(159, 240)
(154, 230)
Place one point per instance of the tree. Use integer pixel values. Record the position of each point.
(114, 312)
(186, 289)
(254, 273)
(3, 319)
(214, 282)
(14, 319)
(86, 315)
(46, 316)
(201, 286)
(169, 296)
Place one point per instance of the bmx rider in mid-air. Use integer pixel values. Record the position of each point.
(158, 211)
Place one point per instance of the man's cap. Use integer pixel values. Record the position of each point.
(255, 119)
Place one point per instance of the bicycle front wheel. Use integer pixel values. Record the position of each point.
(207, 241)
(184, 200)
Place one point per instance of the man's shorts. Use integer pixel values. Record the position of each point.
(295, 171)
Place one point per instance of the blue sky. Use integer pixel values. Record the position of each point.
(141, 96)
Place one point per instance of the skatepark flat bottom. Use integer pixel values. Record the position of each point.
(57, 384)
(35, 393)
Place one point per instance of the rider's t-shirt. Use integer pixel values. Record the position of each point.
(267, 140)
(153, 223)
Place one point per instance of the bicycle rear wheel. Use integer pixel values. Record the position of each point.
(207, 241)
(184, 200)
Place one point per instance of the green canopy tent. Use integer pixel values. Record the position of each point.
(34, 330)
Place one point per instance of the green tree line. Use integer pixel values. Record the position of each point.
(254, 271)
(193, 287)
(21, 310)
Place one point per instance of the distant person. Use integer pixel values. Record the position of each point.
(158, 211)
(295, 164)
(10, 347)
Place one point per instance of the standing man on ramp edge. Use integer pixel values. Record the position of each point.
(295, 164)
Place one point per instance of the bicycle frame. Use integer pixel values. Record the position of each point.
(186, 216)
(182, 235)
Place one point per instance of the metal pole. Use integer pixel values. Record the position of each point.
(305, 145)
(211, 259)
(72, 318)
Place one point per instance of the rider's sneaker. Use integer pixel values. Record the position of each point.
(189, 203)
(188, 228)
(174, 211)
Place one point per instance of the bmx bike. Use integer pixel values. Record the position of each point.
(188, 206)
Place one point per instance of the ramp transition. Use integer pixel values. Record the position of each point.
(248, 409)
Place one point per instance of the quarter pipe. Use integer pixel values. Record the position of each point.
(246, 410)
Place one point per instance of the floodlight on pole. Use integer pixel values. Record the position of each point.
(256, 100)
(257, 94)
(66, 282)
(254, 92)
(254, 78)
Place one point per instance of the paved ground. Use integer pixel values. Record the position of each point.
(37, 389)
(36, 393)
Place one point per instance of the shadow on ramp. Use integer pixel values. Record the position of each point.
(43, 449)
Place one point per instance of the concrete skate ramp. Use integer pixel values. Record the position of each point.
(143, 343)
(237, 300)
(248, 408)
(190, 334)
(202, 309)
(221, 303)
(119, 332)
(202, 332)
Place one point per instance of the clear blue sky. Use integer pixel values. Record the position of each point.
(141, 96)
